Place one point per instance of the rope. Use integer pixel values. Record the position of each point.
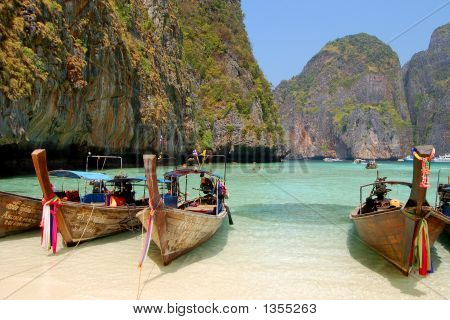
(140, 269)
(140, 290)
(73, 251)
(146, 244)
(85, 227)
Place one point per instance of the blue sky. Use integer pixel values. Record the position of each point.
(285, 34)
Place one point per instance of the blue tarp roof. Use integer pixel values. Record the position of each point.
(79, 175)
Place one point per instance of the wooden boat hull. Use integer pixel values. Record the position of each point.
(18, 213)
(391, 233)
(177, 231)
(79, 222)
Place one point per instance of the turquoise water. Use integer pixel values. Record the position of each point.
(291, 239)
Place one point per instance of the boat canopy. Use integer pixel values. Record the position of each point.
(79, 175)
(185, 171)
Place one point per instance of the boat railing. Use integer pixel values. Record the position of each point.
(379, 182)
(437, 185)
(104, 158)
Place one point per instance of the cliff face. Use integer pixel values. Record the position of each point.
(237, 103)
(427, 87)
(117, 75)
(347, 102)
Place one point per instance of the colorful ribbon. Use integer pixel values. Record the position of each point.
(148, 235)
(49, 224)
(420, 257)
(425, 174)
(147, 239)
(425, 167)
(418, 157)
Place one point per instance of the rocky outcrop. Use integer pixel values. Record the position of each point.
(348, 102)
(101, 79)
(237, 104)
(117, 75)
(427, 87)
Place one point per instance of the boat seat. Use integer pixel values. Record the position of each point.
(93, 198)
(170, 201)
(201, 208)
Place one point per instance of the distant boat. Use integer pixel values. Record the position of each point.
(371, 165)
(392, 228)
(408, 158)
(444, 158)
(360, 161)
(332, 160)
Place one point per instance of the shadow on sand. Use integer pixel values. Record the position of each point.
(444, 239)
(210, 248)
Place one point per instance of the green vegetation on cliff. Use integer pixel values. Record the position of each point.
(216, 46)
(365, 50)
(347, 101)
(110, 72)
(344, 61)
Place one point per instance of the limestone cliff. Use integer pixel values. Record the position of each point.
(237, 103)
(427, 86)
(348, 102)
(115, 75)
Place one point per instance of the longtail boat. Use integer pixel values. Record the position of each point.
(18, 213)
(403, 234)
(79, 221)
(180, 226)
(371, 165)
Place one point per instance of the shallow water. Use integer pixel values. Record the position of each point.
(291, 239)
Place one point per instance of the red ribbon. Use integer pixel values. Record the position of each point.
(423, 270)
(425, 173)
